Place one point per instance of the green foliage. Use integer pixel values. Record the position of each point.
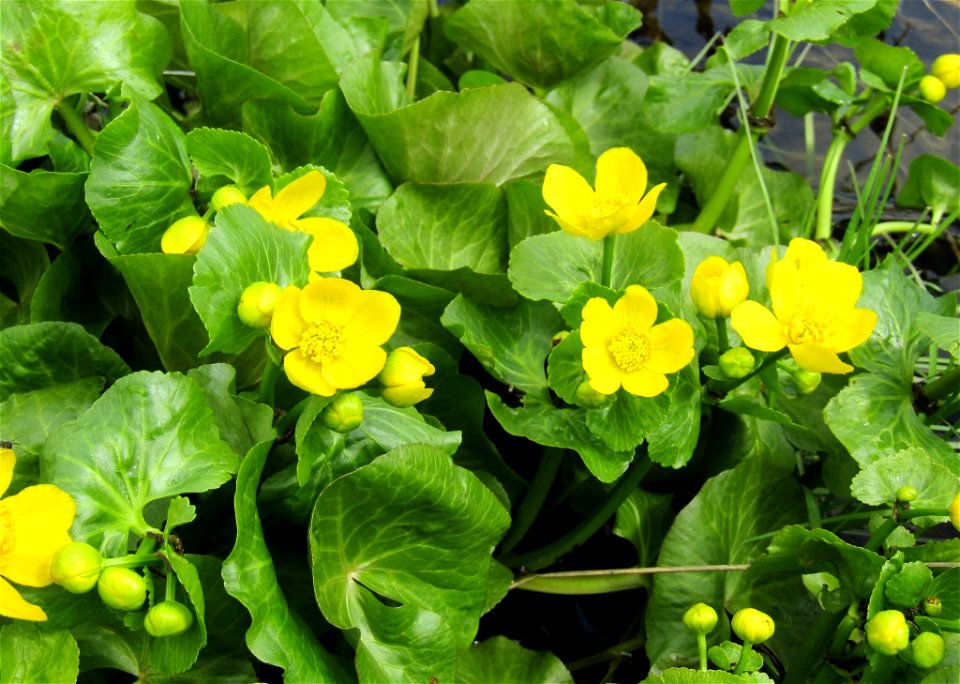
(29, 655)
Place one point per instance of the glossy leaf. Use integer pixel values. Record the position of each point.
(878, 483)
(242, 422)
(29, 655)
(23, 263)
(554, 265)
(44, 205)
(231, 154)
(499, 659)
(818, 20)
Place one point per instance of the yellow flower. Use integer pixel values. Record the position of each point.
(718, 286)
(33, 527)
(334, 330)
(617, 206)
(185, 236)
(813, 310)
(334, 244)
(402, 377)
(622, 346)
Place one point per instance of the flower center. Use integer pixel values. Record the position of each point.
(803, 330)
(629, 349)
(321, 341)
(8, 539)
(606, 206)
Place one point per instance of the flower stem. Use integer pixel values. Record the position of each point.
(606, 271)
(412, 70)
(268, 381)
(290, 418)
(744, 654)
(171, 593)
(534, 498)
(723, 343)
(76, 126)
(702, 649)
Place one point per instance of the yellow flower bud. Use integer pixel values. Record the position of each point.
(717, 286)
(343, 414)
(907, 494)
(932, 89)
(751, 625)
(700, 618)
(185, 236)
(932, 606)
(947, 69)
(76, 567)
(227, 195)
(167, 619)
(953, 510)
(737, 363)
(122, 588)
(887, 632)
(589, 397)
(927, 650)
(402, 377)
(806, 381)
(257, 303)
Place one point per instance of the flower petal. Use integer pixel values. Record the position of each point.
(567, 193)
(734, 287)
(262, 201)
(643, 211)
(40, 517)
(645, 383)
(287, 325)
(357, 362)
(804, 254)
(8, 459)
(599, 323)
(671, 346)
(577, 227)
(832, 286)
(813, 357)
(636, 308)
(621, 175)
(758, 327)
(306, 374)
(294, 199)
(374, 320)
(604, 374)
(334, 245)
(330, 299)
(851, 330)
(13, 605)
(786, 288)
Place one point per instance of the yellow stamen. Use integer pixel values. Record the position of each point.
(804, 330)
(321, 341)
(629, 349)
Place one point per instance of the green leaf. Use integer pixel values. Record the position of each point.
(242, 249)
(572, 310)
(140, 178)
(740, 8)
(649, 256)
(565, 368)
(53, 50)
(886, 63)
(552, 266)
(501, 660)
(878, 482)
(672, 443)
(488, 135)
(719, 527)
(232, 154)
(947, 550)
(404, 18)
(164, 441)
(804, 90)
(942, 330)
(23, 264)
(931, 182)
(175, 654)
(242, 422)
(525, 211)
(755, 406)
(685, 103)
(512, 344)
(44, 354)
(569, 37)
(626, 422)
(683, 675)
(29, 655)
(44, 205)
(910, 586)
(819, 19)
(643, 520)
(425, 544)
(726, 654)
(391, 427)
(180, 512)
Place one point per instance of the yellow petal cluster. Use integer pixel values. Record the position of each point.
(402, 377)
(814, 312)
(619, 204)
(623, 347)
(34, 525)
(333, 330)
(334, 245)
(717, 286)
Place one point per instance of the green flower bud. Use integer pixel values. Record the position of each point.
(344, 413)
(932, 606)
(76, 567)
(122, 588)
(907, 494)
(589, 397)
(185, 236)
(257, 303)
(932, 89)
(402, 377)
(927, 650)
(751, 625)
(700, 618)
(167, 619)
(947, 69)
(737, 363)
(227, 195)
(805, 381)
(887, 632)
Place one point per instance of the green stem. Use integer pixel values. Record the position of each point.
(132, 561)
(744, 654)
(814, 645)
(840, 637)
(171, 593)
(771, 359)
(706, 221)
(614, 651)
(943, 386)
(539, 558)
(702, 649)
(885, 227)
(723, 342)
(606, 272)
(946, 624)
(268, 382)
(77, 126)
(412, 70)
(584, 585)
(290, 418)
(534, 498)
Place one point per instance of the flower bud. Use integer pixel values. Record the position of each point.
(947, 69)
(932, 606)
(257, 303)
(717, 286)
(227, 195)
(887, 632)
(700, 618)
(932, 89)
(737, 363)
(76, 567)
(122, 588)
(185, 236)
(953, 510)
(344, 413)
(907, 494)
(751, 625)
(167, 619)
(806, 381)
(402, 377)
(589, 397)
(927, 650)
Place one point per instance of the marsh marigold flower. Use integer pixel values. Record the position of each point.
(813, 310)
(334, 245)
(334, 331)
(185, 236)
(617, 205)
(33, 527)
(717, 286)
(402, 377)
(623, 347)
